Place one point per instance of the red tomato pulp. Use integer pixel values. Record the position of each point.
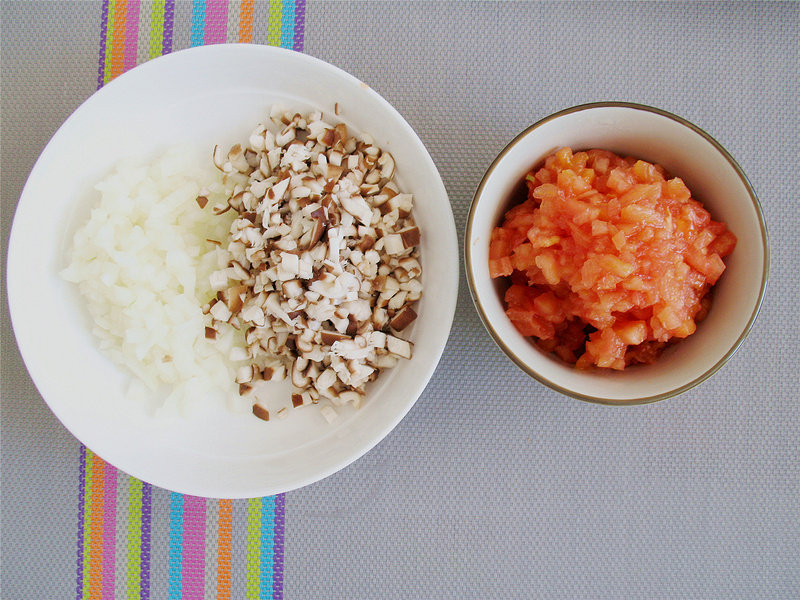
(609, 259)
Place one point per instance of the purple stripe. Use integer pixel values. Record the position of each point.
(194, 547)
(169, 24)
(299, 24)
(131, 35)
(109, 530)
(277, 556)
(147, 511)
(81, 509)
(216, 21)
(101, 68)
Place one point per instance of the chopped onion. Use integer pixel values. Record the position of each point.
(142, 263)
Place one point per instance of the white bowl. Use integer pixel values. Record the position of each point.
(714, 179)
(203, 96)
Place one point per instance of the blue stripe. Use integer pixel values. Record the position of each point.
(267, 546)
(175, 545)
(287, 24)
(198, 22)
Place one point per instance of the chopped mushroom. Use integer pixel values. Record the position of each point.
(322, 262)
(261, 412)
(403, 318)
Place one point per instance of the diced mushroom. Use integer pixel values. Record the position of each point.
(276, 192)
(398, 347)
(287, 135)
(325, 380)
(386, 163)
(403, 318)
(384, 361)
(292, 288)
(330, 337)
(299, 378)
(380, 317)
(237, 160)
(393, 244)
(402, 203)
(244, 374)
(321, 261)
(218, 157)
(359, 208)
(260, 412)
(410, 237)
(220, 311)
(254, 314)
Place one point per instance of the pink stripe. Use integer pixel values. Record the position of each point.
(216, 21)
(131, 35)
(109, 531)
(194, 547)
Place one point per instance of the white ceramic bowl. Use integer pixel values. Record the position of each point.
(203, 96)
(713, 177)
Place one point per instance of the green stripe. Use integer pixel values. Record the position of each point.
(253, 547)
(87, 522)
(112, 5)
(275, 22)
(134, 538)
(157, 28)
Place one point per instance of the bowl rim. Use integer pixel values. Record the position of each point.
(521, 363)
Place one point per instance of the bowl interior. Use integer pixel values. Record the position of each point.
(204, 96)
(713, 179)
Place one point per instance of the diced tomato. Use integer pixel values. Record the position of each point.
(521, 296)
(612, 242)
(546, 191)
(549, 307)
(724, 244)
(619, 181)
(685, 329)
(606, 349)
(644, 172)
(526, 209)
(677, 190)
(528, 324)
(631, 332)
(524, 257)
(645, 353)
(714, 269)
(500, 267)
(499, 245)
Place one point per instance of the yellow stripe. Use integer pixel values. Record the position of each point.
(112, 5)
(134, 537)
(87, 523)
(157, 28)
(253, 547)
(275, 22)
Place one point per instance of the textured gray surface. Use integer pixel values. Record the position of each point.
(493, 486)
(48, 67)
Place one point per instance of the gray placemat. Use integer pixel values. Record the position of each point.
(494, 486)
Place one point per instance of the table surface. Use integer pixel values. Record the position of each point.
(493, 485)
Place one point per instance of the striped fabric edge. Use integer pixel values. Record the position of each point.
(115, 511)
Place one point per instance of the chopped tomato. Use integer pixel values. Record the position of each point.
(609, 258)
(498, 267)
